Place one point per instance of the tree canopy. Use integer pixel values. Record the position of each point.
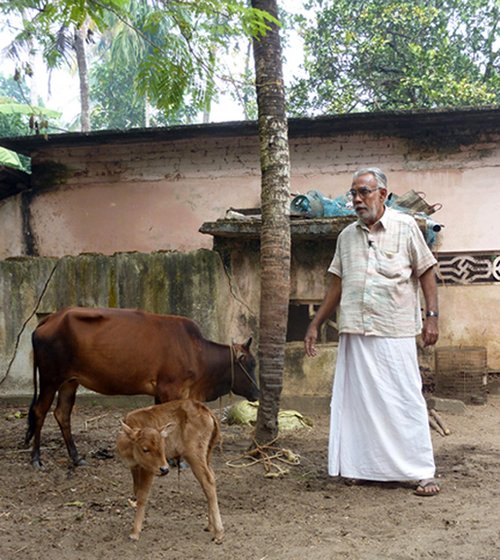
(153, 62)
(173, 46)
(398, 54)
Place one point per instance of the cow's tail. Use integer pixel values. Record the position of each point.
(31, 414)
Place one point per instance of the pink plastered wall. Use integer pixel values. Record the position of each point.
(150, 196)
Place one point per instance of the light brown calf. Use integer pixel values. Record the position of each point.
(150, 436)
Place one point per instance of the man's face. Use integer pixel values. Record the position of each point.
(368, 201)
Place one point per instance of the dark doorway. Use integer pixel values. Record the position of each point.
(300, 314)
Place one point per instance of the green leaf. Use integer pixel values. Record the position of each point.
(8, 158)
(12, 108)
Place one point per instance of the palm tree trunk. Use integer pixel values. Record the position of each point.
(275, 232)
(81, 58)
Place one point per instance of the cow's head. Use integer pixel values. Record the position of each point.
(148, 447)
(244, 382)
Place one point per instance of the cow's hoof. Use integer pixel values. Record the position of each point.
(218, 539)
(37, 464)
(133, 537)
(80, 462)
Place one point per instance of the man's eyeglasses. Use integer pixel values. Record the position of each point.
(362, 191)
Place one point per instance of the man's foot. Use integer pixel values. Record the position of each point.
(427, 487)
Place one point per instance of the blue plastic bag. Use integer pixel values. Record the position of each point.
(315, 205)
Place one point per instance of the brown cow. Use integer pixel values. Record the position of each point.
(128, 352)
(179, 429)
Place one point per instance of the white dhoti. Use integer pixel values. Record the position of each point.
(379, 427)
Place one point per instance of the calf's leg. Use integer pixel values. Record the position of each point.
(205, 476)
(143, 481)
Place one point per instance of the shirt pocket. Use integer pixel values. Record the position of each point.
(389, 264)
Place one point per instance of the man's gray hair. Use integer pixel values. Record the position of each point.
(376, 172)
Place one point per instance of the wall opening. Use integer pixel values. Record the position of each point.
(300, 314)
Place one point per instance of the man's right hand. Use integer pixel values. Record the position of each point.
(310, 341)
(326, 308)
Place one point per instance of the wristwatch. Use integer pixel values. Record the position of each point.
(432, 314)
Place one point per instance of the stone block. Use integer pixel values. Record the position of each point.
(451, 406)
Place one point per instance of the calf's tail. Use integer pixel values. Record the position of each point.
(216, 434)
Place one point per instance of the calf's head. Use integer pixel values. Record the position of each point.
(145, 447)
(244, 382)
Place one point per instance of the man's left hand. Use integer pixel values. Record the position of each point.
(430, 332)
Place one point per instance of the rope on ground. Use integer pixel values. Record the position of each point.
(269, 456)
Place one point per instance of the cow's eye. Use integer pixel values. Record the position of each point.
(145, 450)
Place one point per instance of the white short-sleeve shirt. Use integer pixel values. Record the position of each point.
(379, 269)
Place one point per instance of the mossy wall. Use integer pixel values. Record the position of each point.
(309, 377)
(191, 284)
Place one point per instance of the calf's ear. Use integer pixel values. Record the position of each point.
(167, 429)
(130, 432)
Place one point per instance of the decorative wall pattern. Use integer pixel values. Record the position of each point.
(469, 268)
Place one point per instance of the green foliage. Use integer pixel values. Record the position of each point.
(180, 64)
(17, 116)
(398, 54)
(20, 119)
(240, 84)
(117, 105)
(132, 66)
(11, 124)
(13, 89)
(243, 92)
(114, 103)
(170, 49)
(42, 15)
(9, 107)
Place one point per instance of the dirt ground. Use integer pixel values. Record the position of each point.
(84, 513)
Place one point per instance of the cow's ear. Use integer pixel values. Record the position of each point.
(131, 433)
(246, 345)
(167, 429)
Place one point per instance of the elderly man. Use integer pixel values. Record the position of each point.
(379, 428)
